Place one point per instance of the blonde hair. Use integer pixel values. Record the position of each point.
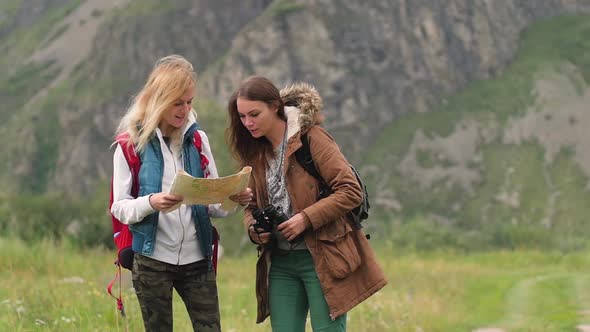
(171, 77)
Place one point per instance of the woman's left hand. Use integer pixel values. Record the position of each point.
(293, 227)
(243, 198)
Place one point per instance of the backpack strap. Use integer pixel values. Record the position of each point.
(198, 142)
(121, 233)
(305, 159)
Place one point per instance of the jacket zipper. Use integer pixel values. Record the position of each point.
(179, 215)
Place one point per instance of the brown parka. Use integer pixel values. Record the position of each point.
(344, 261)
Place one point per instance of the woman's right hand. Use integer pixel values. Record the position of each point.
(259, 237)
(164, 201)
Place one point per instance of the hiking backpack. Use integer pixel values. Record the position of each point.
(305, 159)
(121, 234)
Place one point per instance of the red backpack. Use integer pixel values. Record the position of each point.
(122, 236)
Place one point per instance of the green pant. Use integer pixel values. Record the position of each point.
(153, 282)
(295, 289)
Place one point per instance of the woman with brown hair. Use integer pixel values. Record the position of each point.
(312, 259)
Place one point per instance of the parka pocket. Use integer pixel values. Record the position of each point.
(338, 251)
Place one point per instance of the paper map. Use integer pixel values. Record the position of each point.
(204, 191)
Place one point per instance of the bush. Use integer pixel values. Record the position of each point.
(420, 233)
(32, 217)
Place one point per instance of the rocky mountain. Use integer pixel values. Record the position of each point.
(376, 60)
(69, 69)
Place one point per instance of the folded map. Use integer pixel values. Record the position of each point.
(204, 191)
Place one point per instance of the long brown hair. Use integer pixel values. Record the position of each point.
(244, 147)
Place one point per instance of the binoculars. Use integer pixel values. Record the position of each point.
(268, 218)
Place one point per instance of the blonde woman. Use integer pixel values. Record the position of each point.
(172, 250)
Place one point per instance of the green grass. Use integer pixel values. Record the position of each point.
(571, 204)
(18, 88)
(507, 170)
(144, 8)
(284, 7)
(55, 287)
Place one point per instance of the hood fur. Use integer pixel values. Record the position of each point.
(306, 107)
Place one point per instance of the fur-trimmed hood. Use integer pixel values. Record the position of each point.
(303, 106)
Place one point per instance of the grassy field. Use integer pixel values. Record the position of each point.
(52, 287)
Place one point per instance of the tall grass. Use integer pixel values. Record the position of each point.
(55, 287)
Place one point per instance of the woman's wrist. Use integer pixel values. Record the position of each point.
(307, 222)
(249, 231)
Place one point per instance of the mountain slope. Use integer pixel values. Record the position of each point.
(507, 158)
(449, 111)
(372, 62)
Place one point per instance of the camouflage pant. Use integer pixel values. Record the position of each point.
(153, 282)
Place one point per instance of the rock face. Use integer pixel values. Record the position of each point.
(372, 61)
(124, 53)
(26, 14)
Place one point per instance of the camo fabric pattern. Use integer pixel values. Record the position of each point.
(153, 282)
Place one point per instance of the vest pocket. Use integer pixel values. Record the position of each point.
(338, 250)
